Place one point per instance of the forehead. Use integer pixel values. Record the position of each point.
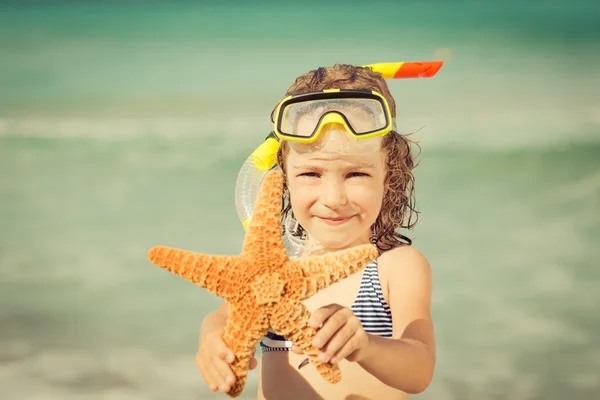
(329, 158)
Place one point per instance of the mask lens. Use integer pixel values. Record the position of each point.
(363, 115)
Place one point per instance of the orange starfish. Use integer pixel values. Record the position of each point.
(263, 286)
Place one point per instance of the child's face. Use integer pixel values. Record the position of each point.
(336, 188)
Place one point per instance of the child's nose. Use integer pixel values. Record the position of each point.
(334, 195)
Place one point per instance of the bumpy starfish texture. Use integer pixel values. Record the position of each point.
(264, 288)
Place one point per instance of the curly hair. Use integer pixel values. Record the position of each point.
(398, 210)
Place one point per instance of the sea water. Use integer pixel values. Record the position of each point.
(123, 126)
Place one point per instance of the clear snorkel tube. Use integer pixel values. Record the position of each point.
(247, 186)
(251, 175)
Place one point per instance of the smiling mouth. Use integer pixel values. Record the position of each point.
(335, 221)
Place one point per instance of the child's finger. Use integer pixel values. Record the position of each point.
(223, 374)
(224, 353)
(346, 349)
(339, 340)
(205, 367)
(297, 349)
(334, 323)
(320, 315)
(253, 363)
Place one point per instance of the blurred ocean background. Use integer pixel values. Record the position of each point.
(123, 125)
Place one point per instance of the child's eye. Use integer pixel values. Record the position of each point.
(309, 174)
(357, 174)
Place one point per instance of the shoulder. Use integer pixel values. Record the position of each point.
(404, 266)
(402, 260)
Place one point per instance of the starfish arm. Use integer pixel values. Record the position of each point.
(321, 271)
(203, 270)
(290, 319)
(263, 239)
(246, 325)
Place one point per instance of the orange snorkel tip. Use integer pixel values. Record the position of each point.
(413, 69)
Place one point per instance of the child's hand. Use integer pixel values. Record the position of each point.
(341, 335)
(213, 359)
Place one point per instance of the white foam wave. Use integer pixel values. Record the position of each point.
(476, 128)
(514, 128)
(129, 127)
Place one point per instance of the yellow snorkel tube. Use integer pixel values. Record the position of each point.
(264, 157)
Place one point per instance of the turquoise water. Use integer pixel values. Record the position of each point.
(124, 126)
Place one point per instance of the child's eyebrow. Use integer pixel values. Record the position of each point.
(355, 165)
(365, 165)
(306, 166)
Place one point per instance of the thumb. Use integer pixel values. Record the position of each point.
(297, 349)
(223, 352)
(253, 363)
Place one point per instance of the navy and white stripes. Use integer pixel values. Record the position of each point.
(273, 342)
(370, 307)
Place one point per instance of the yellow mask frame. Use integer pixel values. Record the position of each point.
(331, 117)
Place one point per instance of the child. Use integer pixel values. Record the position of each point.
(348, 181)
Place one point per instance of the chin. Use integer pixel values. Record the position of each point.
(338, 244)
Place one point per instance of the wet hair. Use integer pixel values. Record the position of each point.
(398, 205)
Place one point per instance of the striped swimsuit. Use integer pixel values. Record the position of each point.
(369, 307)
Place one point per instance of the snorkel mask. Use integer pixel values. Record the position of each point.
(310, 119)
(301, 120)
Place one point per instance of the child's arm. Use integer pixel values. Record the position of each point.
(407, 361)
